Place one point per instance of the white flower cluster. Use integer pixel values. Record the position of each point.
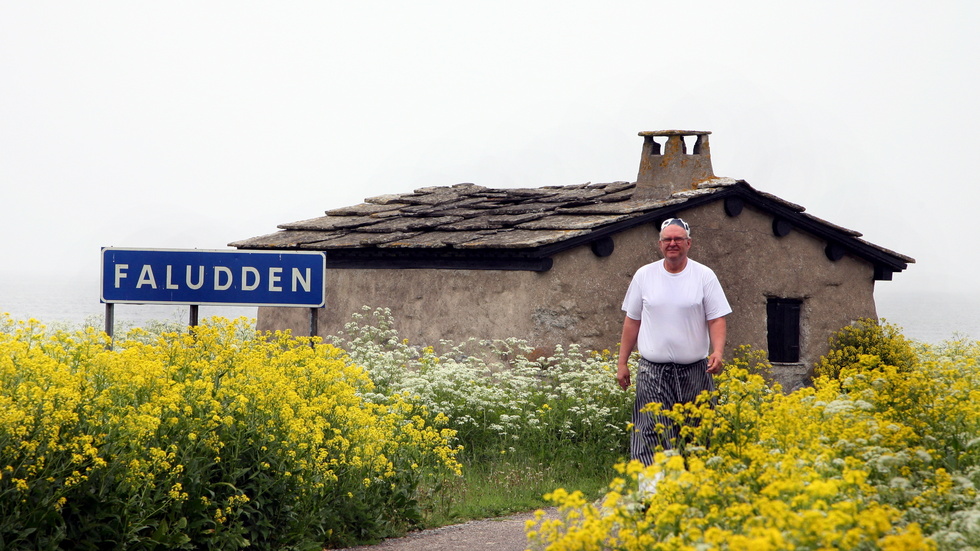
(494, 393)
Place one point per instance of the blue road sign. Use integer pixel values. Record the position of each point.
(254, 278)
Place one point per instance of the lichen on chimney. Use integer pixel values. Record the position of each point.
(668, 167)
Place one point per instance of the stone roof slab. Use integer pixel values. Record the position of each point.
(325, 223)
(432, 239)
(362, 209)
(491, 222)
(358, 240)
(415, 223)
(283, 240)
(518, 239)
(571, 222)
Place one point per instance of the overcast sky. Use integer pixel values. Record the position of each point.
(194, 124)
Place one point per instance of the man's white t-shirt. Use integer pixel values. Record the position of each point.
(673, 310)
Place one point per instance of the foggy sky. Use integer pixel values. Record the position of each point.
(194, 124)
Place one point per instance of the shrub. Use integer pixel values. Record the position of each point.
(883, 458)
(866, 337)
(219, 439)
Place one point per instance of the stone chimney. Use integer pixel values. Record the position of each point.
(671, 168)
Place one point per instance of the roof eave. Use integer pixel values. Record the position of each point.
(838, 239)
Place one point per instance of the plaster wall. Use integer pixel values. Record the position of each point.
(579, 299)
(754, 265)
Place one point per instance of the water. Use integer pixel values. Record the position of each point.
(77, 302)
(928, 316)
(931, 316)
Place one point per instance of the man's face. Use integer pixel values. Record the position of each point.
(674, 243)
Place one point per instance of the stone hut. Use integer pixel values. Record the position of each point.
(552, 264)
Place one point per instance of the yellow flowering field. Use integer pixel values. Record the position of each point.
(224, 438)
(878, 456)
(219, 438)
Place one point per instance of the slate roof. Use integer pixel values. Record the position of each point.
(474, 227)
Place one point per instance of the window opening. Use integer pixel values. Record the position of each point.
(783, 325)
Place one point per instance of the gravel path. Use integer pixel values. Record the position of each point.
(499, 534)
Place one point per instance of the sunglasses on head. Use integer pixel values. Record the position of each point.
(675, 222)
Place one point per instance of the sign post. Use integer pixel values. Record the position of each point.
(196, 277)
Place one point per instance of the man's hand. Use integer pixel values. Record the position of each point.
(715, 363)
(716, 330)
(623, 376)
(631, 329)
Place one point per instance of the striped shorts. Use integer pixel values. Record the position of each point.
(666, 384)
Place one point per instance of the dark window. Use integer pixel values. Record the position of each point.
(784, 329)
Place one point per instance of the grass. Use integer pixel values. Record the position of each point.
(512, 485)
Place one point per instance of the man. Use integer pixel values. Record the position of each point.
(675, 309)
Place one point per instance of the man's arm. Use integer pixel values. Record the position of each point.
(717, 330)
(631, 329)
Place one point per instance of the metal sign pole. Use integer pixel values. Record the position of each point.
(313, 323)
(192, 322)
(110, 321)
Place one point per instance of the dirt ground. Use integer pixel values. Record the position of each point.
(499, 534)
